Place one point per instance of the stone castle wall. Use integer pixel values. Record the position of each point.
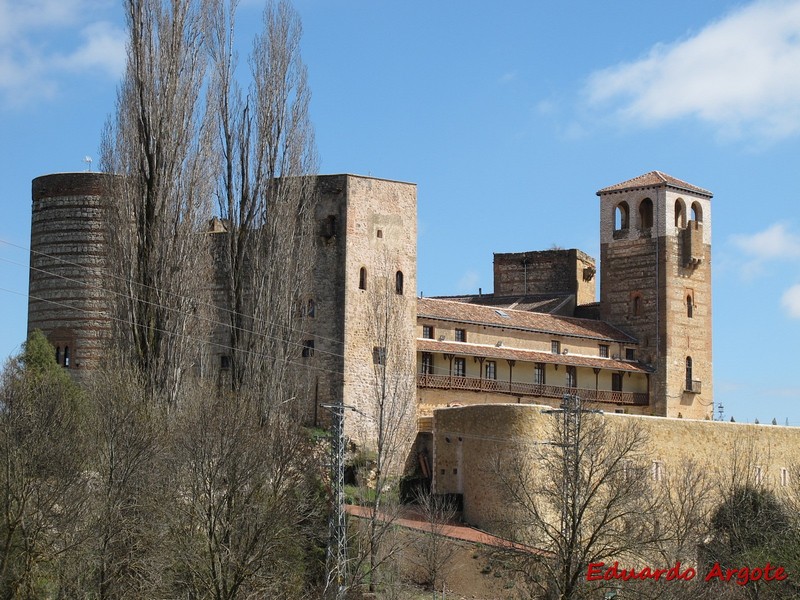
(545, 272)
(470, 443)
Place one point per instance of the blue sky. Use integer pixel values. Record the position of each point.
(509, 116)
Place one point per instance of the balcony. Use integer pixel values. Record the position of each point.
(513, 388)
(693, 386)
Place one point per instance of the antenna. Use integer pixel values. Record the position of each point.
(88, 161)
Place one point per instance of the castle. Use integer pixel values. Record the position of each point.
(644, 350)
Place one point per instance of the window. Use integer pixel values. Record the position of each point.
(538, 374)
(308, 348)
(630, 354)
(66, 356)
(491, 369)
(461, 335)
(689, 373)
(362, 279)
(555, 347)
(758, 475)
(784, 477)
(329, 227)
(636, 304)
(427, 363)
(658, 470)
(621, 216)
(697, 212)
(460, 367)
(603, 350)
(572, 377)
(379, 233)
(225, 362)
(310, 308)
(427, 332)
(689, 307)
(646, 214)
(58, 355)
(398, 283)
(379, 355)
(680, 214)
(616, 382)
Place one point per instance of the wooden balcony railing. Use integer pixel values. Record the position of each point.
(472, 384)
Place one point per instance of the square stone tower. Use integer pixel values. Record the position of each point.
(361, 343)
(655, 284)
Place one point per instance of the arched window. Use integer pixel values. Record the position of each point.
(689, 306)
(646, 214)
(680, 214)
(398, 282)
(362, 278)
(636, 304)
(689, 373)
(66, 356)
(621, 216)
(697, 212)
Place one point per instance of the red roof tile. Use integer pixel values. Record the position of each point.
(461, 312)
(655, 179)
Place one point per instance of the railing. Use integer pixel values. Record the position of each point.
(514, 388)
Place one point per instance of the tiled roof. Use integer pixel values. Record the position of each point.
(655, 179)
(461, 312)
(466, 349)
(543, 303)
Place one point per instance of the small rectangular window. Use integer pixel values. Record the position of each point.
(784, 477)
(225, 362)
(427, 332)
(630, 354)
(461, 335)
(427, 363)
(658, 470)
(538, 374)
(604, 350)
(555, 347)
(308, 348)
(491, 369)
(616, 382)
(379, 355)
(460, 367)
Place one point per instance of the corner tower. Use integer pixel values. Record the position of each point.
(655, 284)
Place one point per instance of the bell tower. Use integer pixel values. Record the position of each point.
(655, 284)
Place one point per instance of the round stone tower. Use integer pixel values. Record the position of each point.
(67, 293)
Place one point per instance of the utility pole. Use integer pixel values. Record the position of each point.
(571, 411)
(337, 545)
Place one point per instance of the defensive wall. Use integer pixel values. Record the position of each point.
(468, 441)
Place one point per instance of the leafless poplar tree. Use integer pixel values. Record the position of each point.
(156, 144)
(586, 499)
(388, 423)
(264, 192)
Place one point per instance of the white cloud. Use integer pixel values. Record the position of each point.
(42, 41)
(739, 74)
(791, 301)
(775, 242)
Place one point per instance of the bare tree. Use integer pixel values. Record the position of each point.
(162, 195)
(433, 552)
(264, 191)
(43, 453)
(586, 499)
(250, 521)
(388, 424)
